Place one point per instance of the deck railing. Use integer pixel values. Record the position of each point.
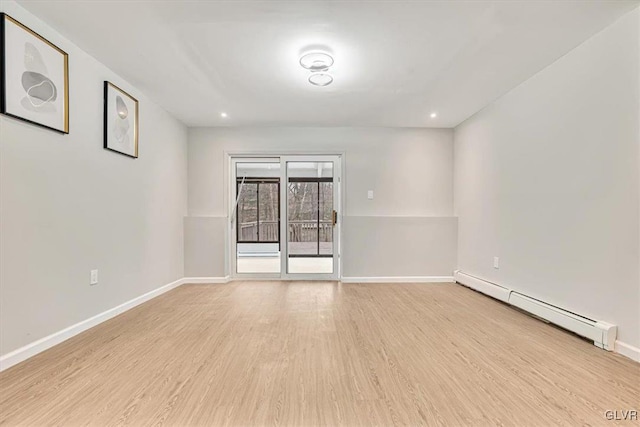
(248, 231)
(299, 231)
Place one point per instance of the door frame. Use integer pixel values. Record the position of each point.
(229, 180)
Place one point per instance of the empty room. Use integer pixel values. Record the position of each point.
(319, 213)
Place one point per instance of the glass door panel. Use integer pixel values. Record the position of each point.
(269, 212)
(310, 212)
(303, 218)
(247, 212)
(257, 217)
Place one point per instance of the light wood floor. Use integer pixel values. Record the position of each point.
(275, 353)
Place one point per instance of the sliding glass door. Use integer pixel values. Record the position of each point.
(284, 217)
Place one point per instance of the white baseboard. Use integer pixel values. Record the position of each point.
(627, 350)
(206, 280)
(399, 279)
(29, 350)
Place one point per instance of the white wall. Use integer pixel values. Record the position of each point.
(410, 171)
(546, 178)
(383, 246)
(68, 206)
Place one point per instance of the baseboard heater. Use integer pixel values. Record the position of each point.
(601, 333)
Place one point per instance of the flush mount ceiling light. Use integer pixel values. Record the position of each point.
(320, 79)
(224, 115)
(434, 115)
(316, 61)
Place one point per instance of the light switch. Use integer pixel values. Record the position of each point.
(370, 194)
(94, 277)
(496, 262)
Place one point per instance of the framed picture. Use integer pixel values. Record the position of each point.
(34, 77)
(120, 121)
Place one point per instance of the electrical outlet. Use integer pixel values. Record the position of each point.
(496, 262)
(370, 194)
(94, 277)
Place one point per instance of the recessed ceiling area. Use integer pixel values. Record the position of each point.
(396, 63)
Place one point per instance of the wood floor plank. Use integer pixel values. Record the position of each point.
(320, 353)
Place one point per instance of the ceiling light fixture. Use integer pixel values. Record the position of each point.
(316, 61)
(223, 115)
(434, 115)
(320, 79)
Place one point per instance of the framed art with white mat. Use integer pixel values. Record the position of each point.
(34, 77)
(120, 121)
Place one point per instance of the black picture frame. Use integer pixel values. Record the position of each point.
(114, 113)
(6, 20)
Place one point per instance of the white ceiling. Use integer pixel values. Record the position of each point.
(395, 61)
